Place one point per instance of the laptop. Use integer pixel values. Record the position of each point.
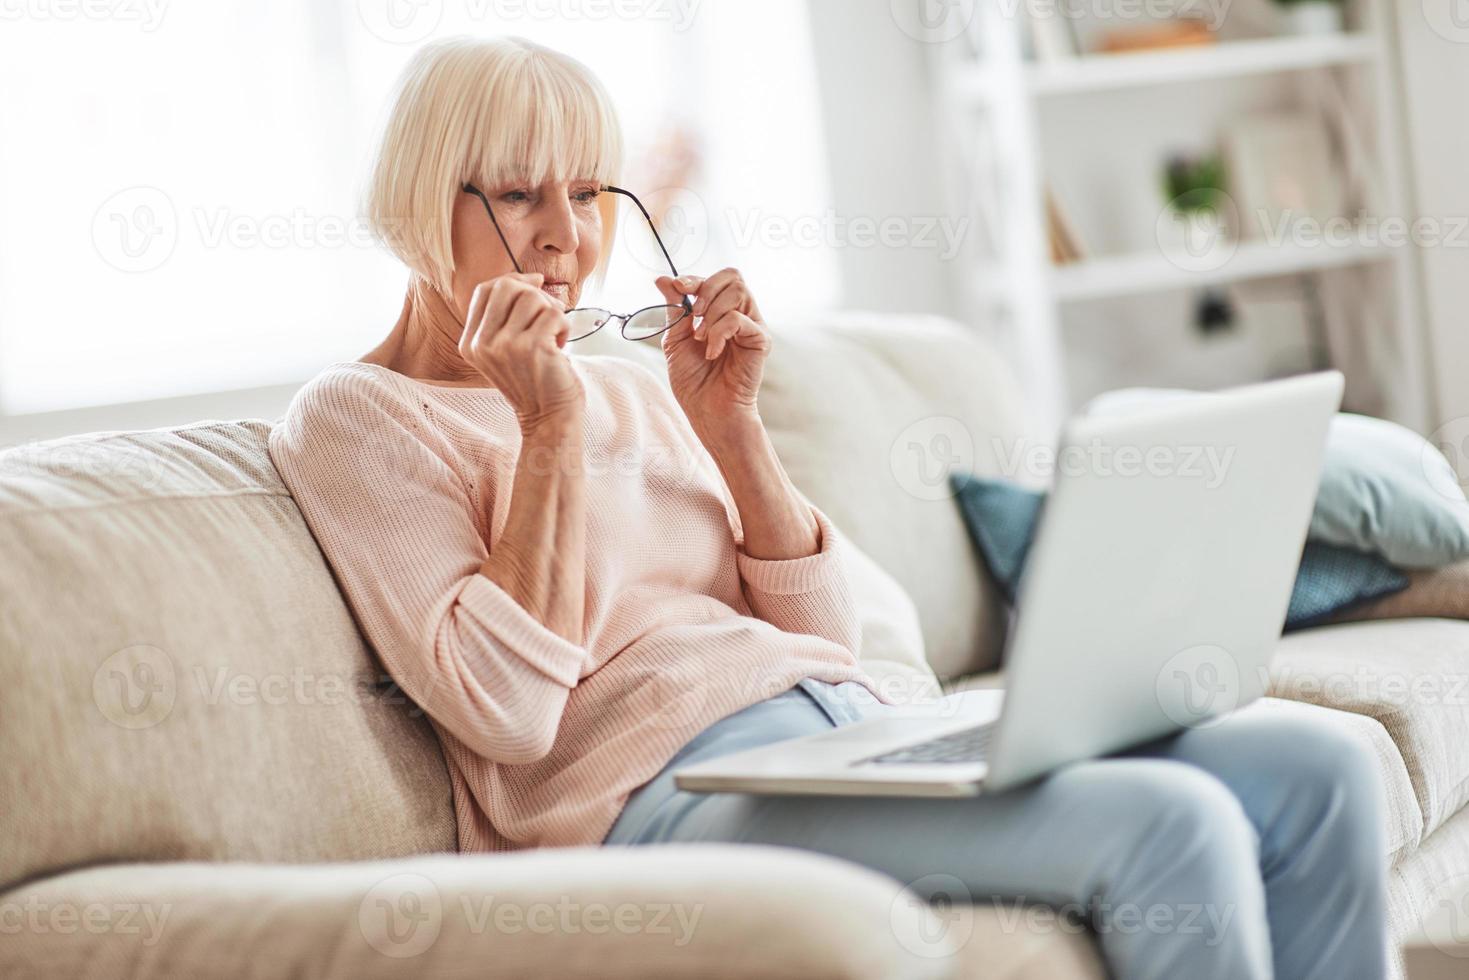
(1152, 600)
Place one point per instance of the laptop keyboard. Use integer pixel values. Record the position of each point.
(969, 745)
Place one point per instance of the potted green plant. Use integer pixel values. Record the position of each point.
(1194, 225)
(1311, 16)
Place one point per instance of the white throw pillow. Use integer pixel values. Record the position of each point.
(892, 639)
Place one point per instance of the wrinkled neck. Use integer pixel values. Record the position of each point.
(425, 341)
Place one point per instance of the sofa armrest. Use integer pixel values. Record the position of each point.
(710, 911)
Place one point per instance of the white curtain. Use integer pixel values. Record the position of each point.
(179, 181)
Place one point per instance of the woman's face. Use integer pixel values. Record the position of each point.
(554, 229)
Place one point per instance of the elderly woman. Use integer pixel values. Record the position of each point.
(585, 581)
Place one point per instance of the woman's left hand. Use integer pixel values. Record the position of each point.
(716, 357)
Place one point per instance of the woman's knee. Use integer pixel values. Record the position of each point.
(1328, 766)
(1176, 812)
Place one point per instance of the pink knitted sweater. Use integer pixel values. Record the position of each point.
(406, 485)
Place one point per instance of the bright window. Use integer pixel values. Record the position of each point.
(179, 183)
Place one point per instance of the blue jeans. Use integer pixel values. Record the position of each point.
(1251, 848)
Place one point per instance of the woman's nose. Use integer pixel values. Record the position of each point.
(556, 231)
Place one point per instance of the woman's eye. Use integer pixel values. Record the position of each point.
(515, 196)
(587, 196)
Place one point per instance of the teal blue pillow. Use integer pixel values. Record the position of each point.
(1001, 517)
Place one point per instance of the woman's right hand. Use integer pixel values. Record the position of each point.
(513, 336)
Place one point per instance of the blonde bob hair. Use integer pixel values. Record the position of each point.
(490, 112)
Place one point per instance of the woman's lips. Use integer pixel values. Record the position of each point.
(561, 291)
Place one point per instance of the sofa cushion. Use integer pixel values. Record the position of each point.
(1412, 676)
(179, 676)
(869, 416)
(1426, 890)
(676, 911)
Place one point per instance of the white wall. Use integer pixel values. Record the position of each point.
(251, 403)
(880, 134)
(1435, 58)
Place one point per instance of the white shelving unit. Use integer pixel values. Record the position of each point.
(994, 98)
(1150, 272)
(1225, 60)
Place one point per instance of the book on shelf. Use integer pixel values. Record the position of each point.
(1066, 243)
(1051, 38)
(1182, 32)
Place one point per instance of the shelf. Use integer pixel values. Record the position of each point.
(1101, 72)
(1155, 272)
(1223, 60)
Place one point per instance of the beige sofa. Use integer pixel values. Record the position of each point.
(208, 775)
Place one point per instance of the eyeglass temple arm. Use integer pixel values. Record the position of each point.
(471, 189)
(652, 227)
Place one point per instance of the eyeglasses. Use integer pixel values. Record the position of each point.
(642, 324)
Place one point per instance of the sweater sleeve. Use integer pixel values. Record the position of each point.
(396, 524)
(805, 595)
